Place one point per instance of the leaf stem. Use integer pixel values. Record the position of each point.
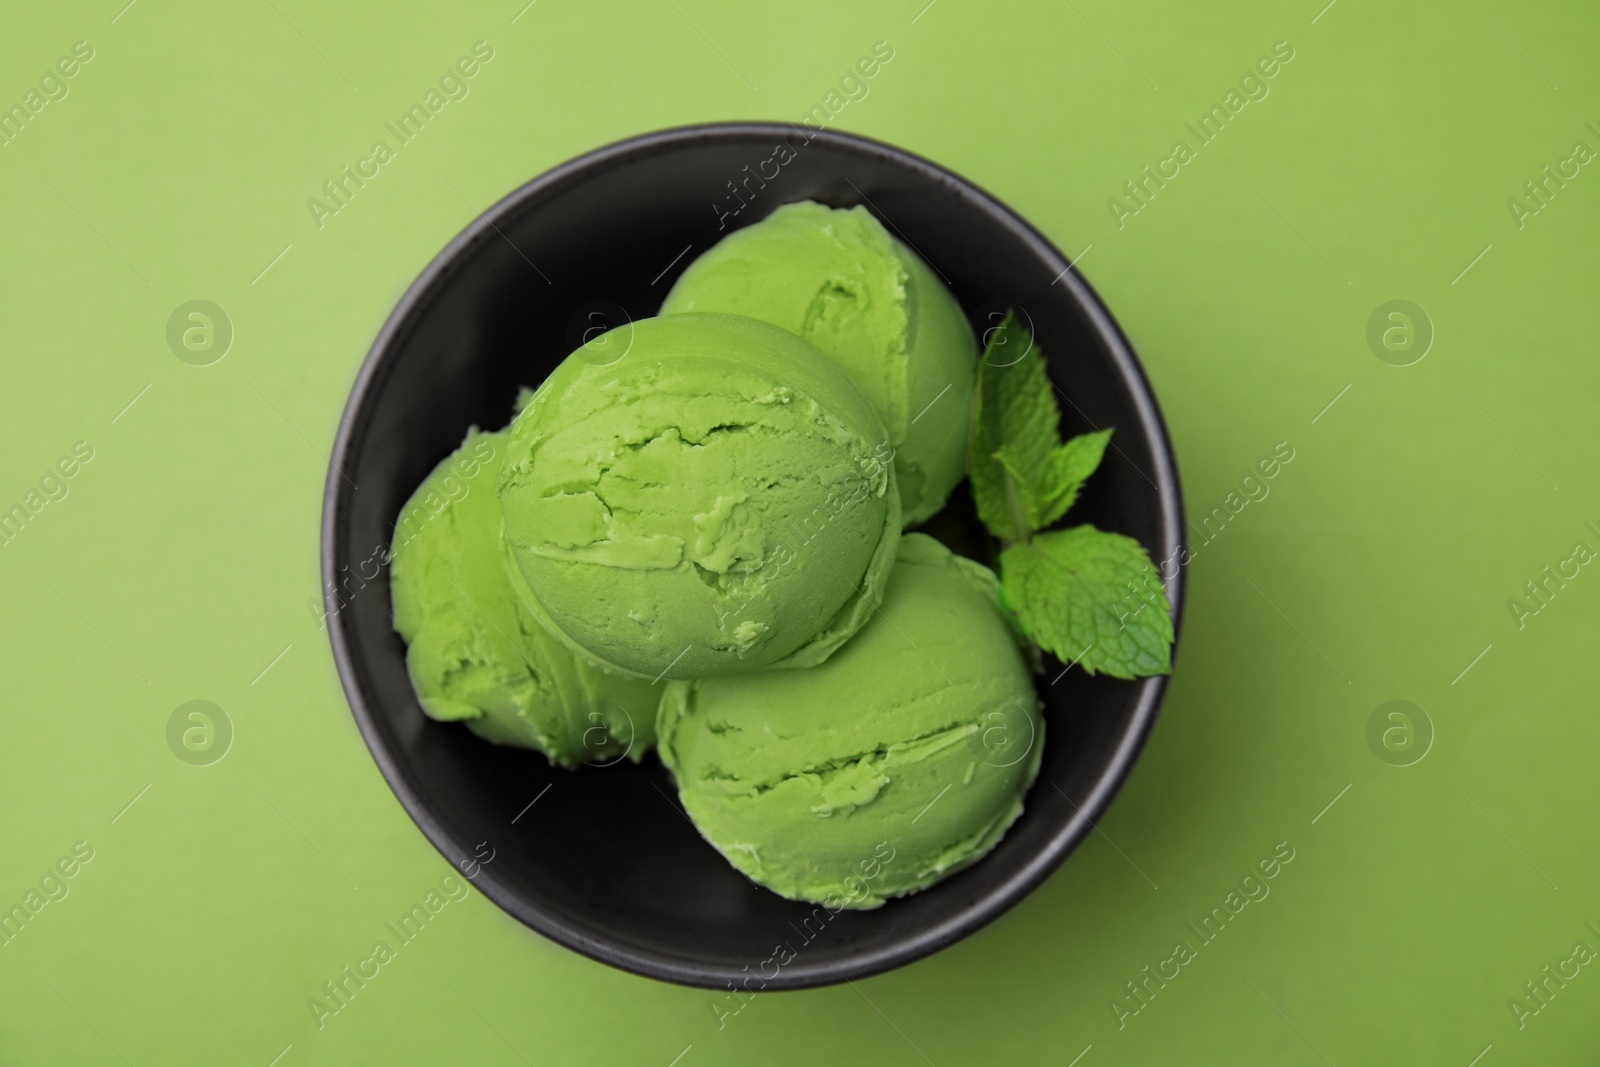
(1019, 521)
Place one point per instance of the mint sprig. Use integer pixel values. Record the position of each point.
(1091, 597)
(1023, 477)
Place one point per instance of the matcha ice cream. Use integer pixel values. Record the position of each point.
(900, 760)
(838, 279)
(474, 653)
(716, 500)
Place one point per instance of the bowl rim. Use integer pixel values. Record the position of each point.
(976, 912)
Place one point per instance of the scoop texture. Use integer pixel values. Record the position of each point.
(706, 495)
(899, 761)
(475, 654)
(839, 280)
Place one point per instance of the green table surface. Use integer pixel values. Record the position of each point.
(1389, 560)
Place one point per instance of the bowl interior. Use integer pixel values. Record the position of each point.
(603, 859)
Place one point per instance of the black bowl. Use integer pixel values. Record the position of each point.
(603, 860)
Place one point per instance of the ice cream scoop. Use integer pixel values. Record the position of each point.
(900, 760)
(705, 495)
(475, 654)
(839, 280)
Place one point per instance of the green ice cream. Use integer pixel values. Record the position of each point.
(899, 761)
(475, 654)
(716, 498)
(839, 280)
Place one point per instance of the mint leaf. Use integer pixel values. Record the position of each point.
(1046, 494)
(1068, 468)
(1088, 596)
(1017, 412)
(1023, 477)
(1021, 505)
(1092, 597)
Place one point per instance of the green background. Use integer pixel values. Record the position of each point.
(1381, 564)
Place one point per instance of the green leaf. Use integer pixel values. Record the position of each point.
(1017, 412)
(1093, 598)
(1046, 494)
(1068, 468)
(1023, 477)
(1090, 597)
